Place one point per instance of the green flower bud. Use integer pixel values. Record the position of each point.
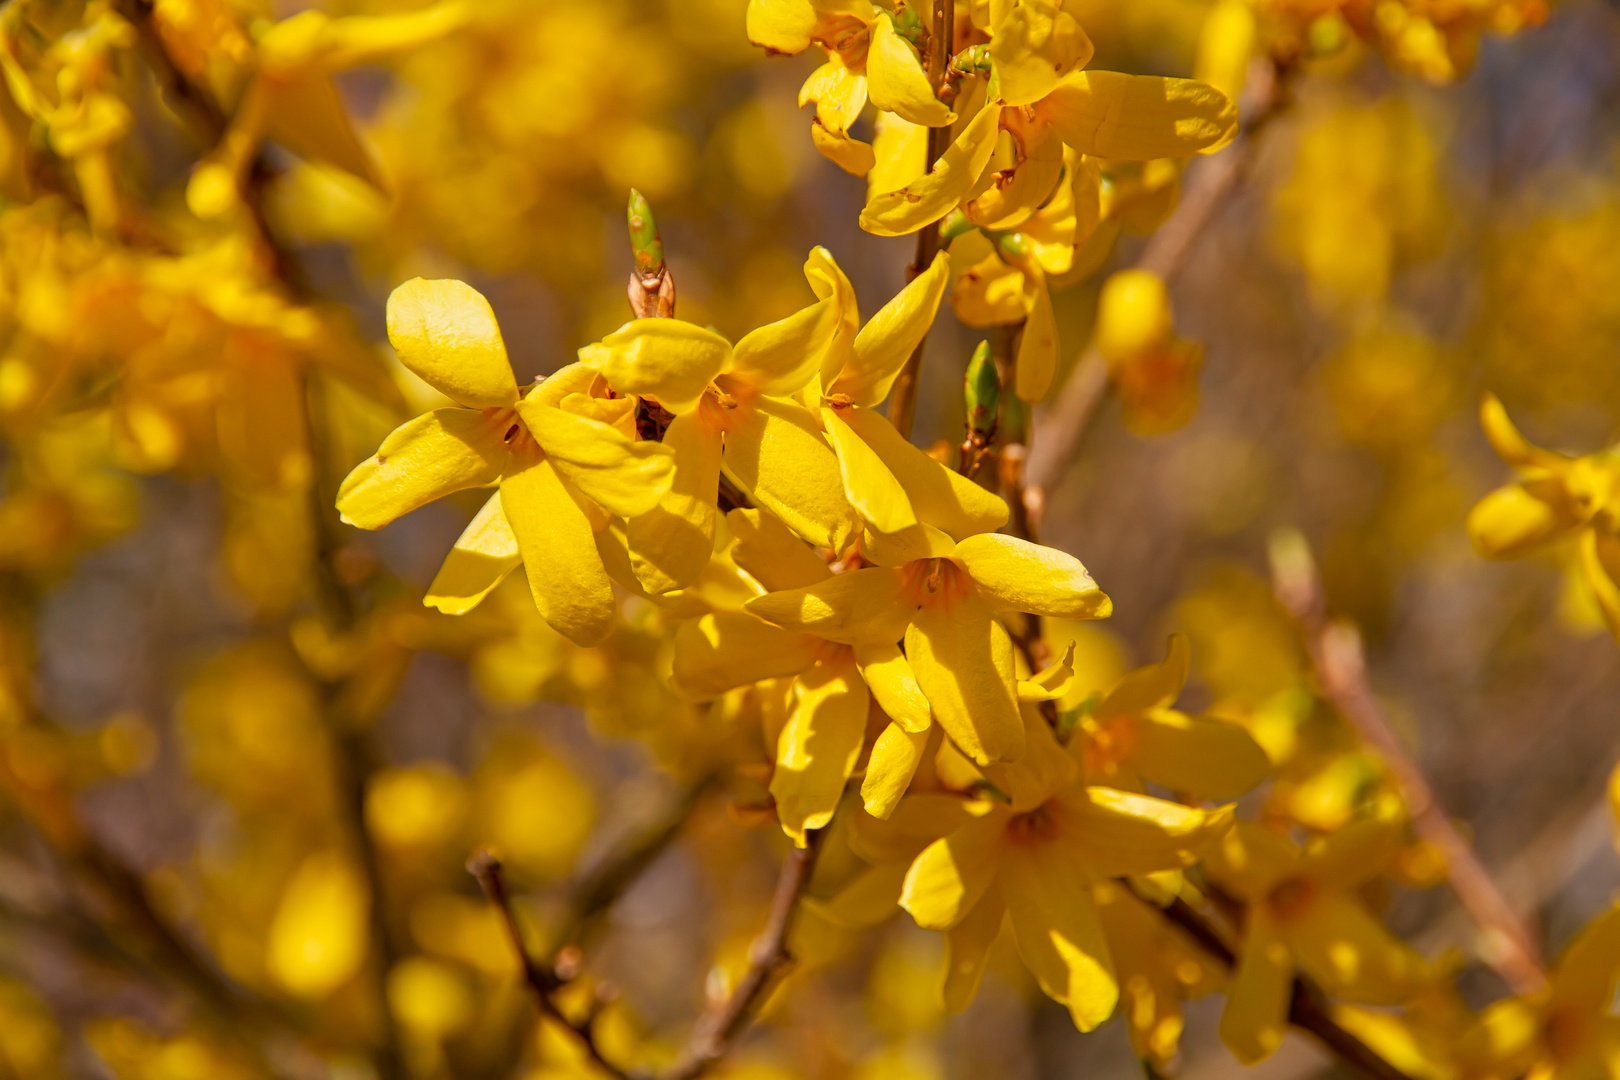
(983, 391)
(644, 238)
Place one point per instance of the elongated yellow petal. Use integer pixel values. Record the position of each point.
(1256, 1015)
(1016, 575)
(1354, 854)
(865, 606)
(1017, 192)
(828, 281)
(671, 543)
(424, 459)
(850, 154)
(1350, 953)
(1515, 520)
(486, 552)
(889, 337)
(769, 552)
(952, 873)
(446, 333)
(1035, 45)
(304, 112)
(566, 576)
(352, 40)
(1059, 934)
(1511, 446)
(1226, 45)
(566, 381)
(839, 95)
(870, 898)
(1152, 686)
(901, 152)
(1138, 117)
(898, 83)
(782, 26)
(908, 545)
(1037, 348)
(817, 750)
(942, 497)
(1121, 832)
(668, 359)
(778, 455)
(868, 484)
(895, 757)
(967, 949)
(936, 194)
(1203, 756)
(963, 661)
(625, 477)
(727, 649)
(894, 685)
(781, 357)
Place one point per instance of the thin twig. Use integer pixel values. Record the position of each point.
(1308, 1007)
(1210, 182)
(1341, 670)
(903, 398)
(542, 982)
(768, 960)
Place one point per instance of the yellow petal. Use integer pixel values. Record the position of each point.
(898, 83)
(445, 332)
(895, 757)
(963, 661)
(919, 820)
(1511, 446)
(839, 95)
(1059, 934)
(870, 898)
(952, 873)
(668, 359)
(1015, 193)
(1035, 45)
(920, 541)
(1121, 832)
(726, 649)
(1354, 854)
(567, 381)
(868, 484)
(1226, 44)
(853, 156)
(671, 543)
(817, 750)
(424, 459)
(1256, 1015)
(1202, 756)
(304, 112)
(990, 293)
(1037, 348)
(566, 576)
(1016, 575)
(901, 152)
(1517, 519)
(1350, 953)
(1250, 859)
(1051, 683)
(1584, 979)
(781, 357)
(1600, 559)
(967, 949)
(771, 554)
(624, 476)
(889, 337)
(894, 685)
(1153, 686)
(1138, 117)
(777, 455)
(865, 606)
(782, 26)
(936, 194)
(1043, 770)
(480, 560)
(941, 496)
(829, 282)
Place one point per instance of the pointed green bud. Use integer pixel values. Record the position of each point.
(983, 391)
(644, 240)
(1014, 245)
(973, 60)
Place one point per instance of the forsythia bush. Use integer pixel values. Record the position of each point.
(788, 674)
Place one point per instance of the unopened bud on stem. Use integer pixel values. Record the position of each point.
(644, 238)
(983, 391)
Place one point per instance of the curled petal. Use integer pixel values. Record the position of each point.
(1153, 686)
(932, 196)
(853, 156)
(895, 757)
(889, 337)
(480, 560)
(1517, 519)
(898, 82)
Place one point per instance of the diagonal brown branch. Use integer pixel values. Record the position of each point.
(1211, 181)
(1341, 670)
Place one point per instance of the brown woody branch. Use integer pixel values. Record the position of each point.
(1209, 184)
(768, 960)
(1341, 671)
